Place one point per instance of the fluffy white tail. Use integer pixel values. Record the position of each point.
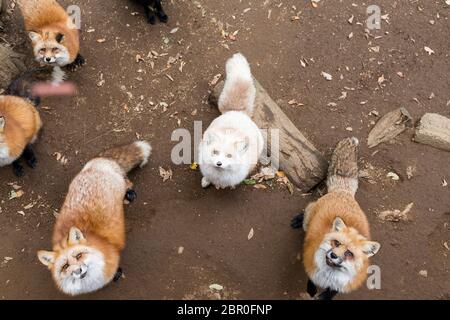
(239, 92)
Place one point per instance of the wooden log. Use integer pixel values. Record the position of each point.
(303, 164)
(434, 130)
(11, 65)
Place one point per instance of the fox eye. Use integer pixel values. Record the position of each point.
(229, 156)
(348, 254)
(55, 50)
(42, 51)
(64, 267)
(78, 257)
(215, 152)
(336, 243)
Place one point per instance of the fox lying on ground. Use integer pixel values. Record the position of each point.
(90, 230)
(337, 243)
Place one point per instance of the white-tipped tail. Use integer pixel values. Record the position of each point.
(146, 149)
(238, 68)
(239, 92)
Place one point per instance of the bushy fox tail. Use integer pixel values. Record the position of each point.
(343, 170)
(129, 156)
(239, 92)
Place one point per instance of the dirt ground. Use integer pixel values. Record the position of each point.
(213, 226)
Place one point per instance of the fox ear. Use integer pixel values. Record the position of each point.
(370, 248)
(59, 37)
(34, 36)
(75, 236)
(242, 146)
(338, 225)
(2, 124)
(46, 257)
(211, 137)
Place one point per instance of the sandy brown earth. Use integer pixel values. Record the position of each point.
(213, 226)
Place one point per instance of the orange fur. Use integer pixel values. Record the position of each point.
(48, 18)
(22, 123)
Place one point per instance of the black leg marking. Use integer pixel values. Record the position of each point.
(118, 275)
(160, 12)
(327, 295)
(150, 16)
(297, 222)
(17, 168)
(131, 195)
(29, 156)
(311, 288)
(78, 62)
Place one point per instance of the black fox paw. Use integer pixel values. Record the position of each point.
(32, 162)
(151, 20)
(18, 169)
(131, 195)
(297, 222)
(164, 18)
(118, 275)
(79, 62)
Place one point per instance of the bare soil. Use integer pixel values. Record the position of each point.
(212, 226)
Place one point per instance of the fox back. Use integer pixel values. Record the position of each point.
(54, 38)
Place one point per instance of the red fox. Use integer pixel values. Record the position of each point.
(337, 243)
(55, 39)
(19, 127)
(89, 233)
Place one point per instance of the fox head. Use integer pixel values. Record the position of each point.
(49, 48)
(344, 252)
(226, 149)
(78, 267)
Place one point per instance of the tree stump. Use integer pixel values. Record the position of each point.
(11, 65)
(303, 164)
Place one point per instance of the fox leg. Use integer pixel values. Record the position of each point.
(160, 12)
(307, 215)
(205, 183)
(78, 62)
(29, 156)
(118, 274)
(297, 222)
(17, 168)
(131, 194)
(327, 295)
(311, 288)
(150, 16)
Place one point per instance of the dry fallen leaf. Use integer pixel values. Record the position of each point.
(251, 234)
(327, 76)
(216, 287)
(396, 215)
(165, 174)
(215, 80)
(429, 50)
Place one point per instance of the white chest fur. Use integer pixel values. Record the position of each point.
(5, 158)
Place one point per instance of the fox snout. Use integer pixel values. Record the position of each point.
(333, 260)
(79, 272)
